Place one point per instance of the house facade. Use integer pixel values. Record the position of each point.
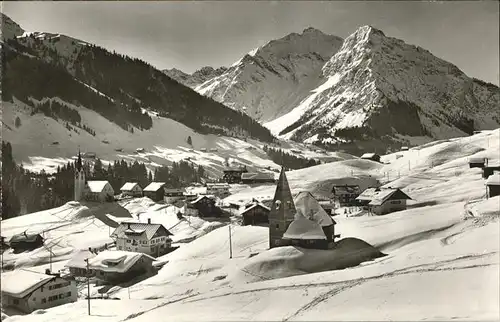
(172, 195)
(380, 201)
(206, 207)
(477, 162)
(37, 290)
(255, 214)
(100, 191)
(24, 241)
(114, 266)
(345, 195)
(146, 238)
(132, 189)
(154, 191)
(218, 189)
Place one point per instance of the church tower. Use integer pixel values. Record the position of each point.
(282, 211)
(79, 178)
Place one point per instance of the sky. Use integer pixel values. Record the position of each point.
(188, 35)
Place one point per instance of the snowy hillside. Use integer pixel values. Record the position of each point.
(270, 79)
(377, 87)
(441, 264)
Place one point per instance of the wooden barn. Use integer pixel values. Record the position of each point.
(154, 191)
(380, 201)
(99, 191)
(345, 195)
(477, 162)
(493, 185)
(132, 189)
(255, 214)
(24, 241)
(206, 207)
(371, 156)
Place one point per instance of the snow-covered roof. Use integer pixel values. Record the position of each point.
(477, 160)
(367, 194)
(257, 204)
(494, 179)
(377, 196)
(78, 261)
(154, 186)
(198, 199)
(303, 228)
(96, 186)
(20, 283)
(137, 228)
(368, 155)
(117, 261)
(129, 186)
(308, 207)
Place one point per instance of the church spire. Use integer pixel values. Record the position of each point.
(282, 211)
(79, 161)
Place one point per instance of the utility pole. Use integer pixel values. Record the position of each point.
(230, 243)
(88, 285)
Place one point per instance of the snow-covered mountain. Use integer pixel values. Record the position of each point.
(380, 88)
(270, 80)
(198, 77)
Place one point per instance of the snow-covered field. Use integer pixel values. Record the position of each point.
(441, 263)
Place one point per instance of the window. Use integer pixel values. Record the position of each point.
(41, 289)
(44, 300)
(277, 226)
(396, 202)
(16, 301)
(68, 294)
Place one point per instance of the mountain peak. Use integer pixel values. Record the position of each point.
(310, 30)
(10, 29)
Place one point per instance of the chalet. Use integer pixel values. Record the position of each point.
(381, 201)
(255, 213)
(206, 207)
(172, 195)
(233, 174)
(116, 266)
(131, 189)
(404, 148)
(146, 238)
(493, 185)
(77, 265)
(488, 170)
(27, 291)
(477, 162)
(98, 191)
(371, 156)
(257, 177)
(154, 191)
(140, 150)
(218, 189)
(24, 241)
(282, 212)
(346, 195)
(312, 226)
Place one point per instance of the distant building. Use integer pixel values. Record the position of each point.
(380, 201)
(146, 238)
(28, 291)
(255, 213)
(346, 195)
(404, 148)
(98, 191)
(371, 156)
(477, 162)
(257, 177)
(115, 266)
(172, 195)
(203, 149)
(131, 189)
(154, 191)
(205, 207)
(140, 150)
(488, 170)
(493, 185)
(78, 266)
(218, 189)
(282, 212)
(312, 226)
(233, 174)
(24, 241)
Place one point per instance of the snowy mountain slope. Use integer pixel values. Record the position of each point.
(439, 265)
(270, 79)
(198, 77)
(377, 87)
(41, 142)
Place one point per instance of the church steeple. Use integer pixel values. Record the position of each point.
(79, 162)
(282, 211)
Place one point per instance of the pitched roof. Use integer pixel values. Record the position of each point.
(493, 180)
(367, 194)
(308, 207)
(257, 176)
(137, 228)
(303, 228)
(96, 186)
(378, 196)
(128, 186)
(282, 195)
(255, 205)
(24, 237)
(154, 186)
(368, 155)
(78, 260)
(116, 260)
(20, 283)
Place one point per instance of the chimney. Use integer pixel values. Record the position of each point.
(149, 220)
